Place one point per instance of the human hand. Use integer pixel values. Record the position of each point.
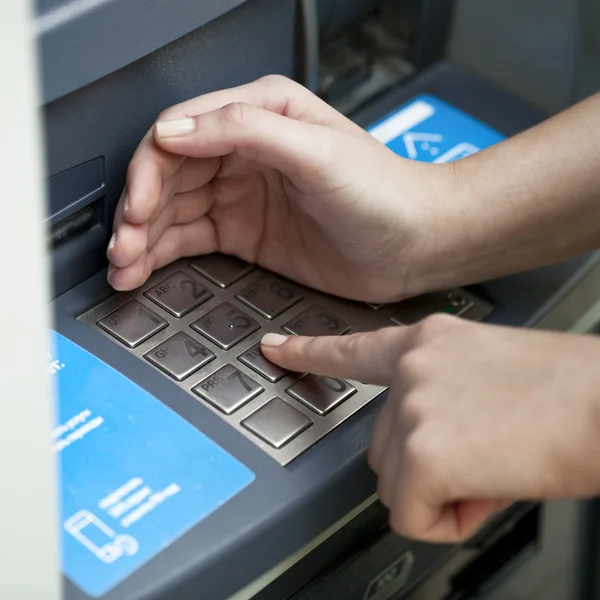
(476, 416)
(271, 174)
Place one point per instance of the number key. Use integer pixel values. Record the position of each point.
(316, 321)
(179, 294)
(179, 356)
(269, 296)
(228, 389)
(321, 394)
(225, 325)
(132, 323)
(223, 270)
(254, 358)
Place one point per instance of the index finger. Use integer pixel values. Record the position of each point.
(367, 357)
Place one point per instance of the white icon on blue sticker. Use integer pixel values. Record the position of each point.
(99, 538)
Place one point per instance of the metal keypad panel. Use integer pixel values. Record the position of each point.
(199, 322)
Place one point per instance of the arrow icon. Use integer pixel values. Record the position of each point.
(410, 139)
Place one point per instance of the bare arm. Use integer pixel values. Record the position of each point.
(524, 203)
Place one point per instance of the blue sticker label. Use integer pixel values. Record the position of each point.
(428, 129)
(134, 475)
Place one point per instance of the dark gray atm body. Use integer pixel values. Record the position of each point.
(108, 68)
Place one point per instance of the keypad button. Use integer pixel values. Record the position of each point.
(255, 359)
(179, 356)
(269, 296)
(415, 309)
(321, 394)
(221, 269)
(179, 294)
(225, 325)
(277, 423)
(316, 321)
(132, 323)
(228, 389)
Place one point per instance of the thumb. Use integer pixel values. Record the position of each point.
(293, 147)
(366, 357)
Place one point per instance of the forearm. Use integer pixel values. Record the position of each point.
(524, 203)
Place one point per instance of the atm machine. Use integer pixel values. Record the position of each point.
(189, 467)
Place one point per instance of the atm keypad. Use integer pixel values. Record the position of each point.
(225, 325)
(199, 323)
(228, 389)
(180, 355)
(321, 394)
(132, 323)
(178, 294)
(315, 321)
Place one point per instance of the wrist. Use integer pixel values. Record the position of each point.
(471, 228)
(442, 243)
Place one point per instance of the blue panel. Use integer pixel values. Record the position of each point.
(134, 475)
(428, 129)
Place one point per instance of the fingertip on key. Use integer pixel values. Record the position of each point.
(273, 340)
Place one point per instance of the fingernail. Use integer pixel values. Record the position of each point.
(126, 205)
(273, 339)
(113, 241)
(175, 128)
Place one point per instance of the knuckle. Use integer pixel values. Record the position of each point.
(410, 411)
(422, 453)
(351, 346)
(236, 113)
(433, 325)
(304, 348)
(276, 81)
(401, 525)
(413, 366)
(382, 492)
